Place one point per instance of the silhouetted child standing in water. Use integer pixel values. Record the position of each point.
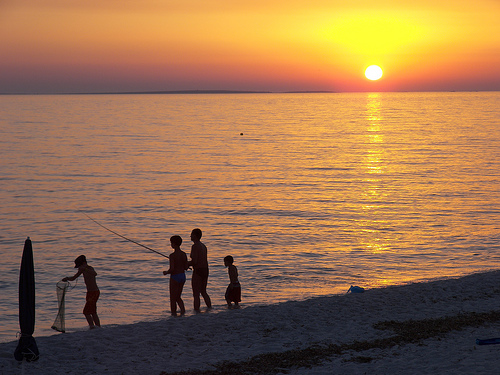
(178, 264)
(89, 274)
(233, 291)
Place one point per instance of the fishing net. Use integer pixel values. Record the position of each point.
(61, 289)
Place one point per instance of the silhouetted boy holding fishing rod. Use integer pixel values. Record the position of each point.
(89, 274)
(199, 262)
(178, 264)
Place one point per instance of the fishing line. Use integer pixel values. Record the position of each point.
(125, 238)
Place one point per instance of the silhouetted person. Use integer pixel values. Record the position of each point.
(233, 291)
(178, 264)
(89, 274)
(199, 262)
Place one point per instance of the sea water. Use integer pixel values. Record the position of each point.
(310, 193)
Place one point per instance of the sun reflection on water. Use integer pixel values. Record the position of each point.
(374, 226)
(375, 141)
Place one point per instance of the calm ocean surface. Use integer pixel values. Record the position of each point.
(309, 192)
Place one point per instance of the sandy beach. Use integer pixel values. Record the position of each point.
(421, 328)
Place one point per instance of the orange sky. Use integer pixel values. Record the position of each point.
(55, 46)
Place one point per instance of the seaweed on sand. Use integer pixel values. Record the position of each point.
(410, 331)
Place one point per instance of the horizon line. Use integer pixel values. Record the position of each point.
(189, 92)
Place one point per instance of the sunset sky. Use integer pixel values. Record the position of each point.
(58, 46)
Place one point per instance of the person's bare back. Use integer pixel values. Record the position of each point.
(89, 276)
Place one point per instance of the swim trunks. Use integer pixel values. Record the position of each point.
(179, 277)
(91, 305)
(233, 292)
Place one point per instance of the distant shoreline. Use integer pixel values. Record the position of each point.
(176, 92)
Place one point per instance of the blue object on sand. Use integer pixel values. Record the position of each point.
(356, 289)
(488, 341)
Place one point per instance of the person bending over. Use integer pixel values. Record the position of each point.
(89, 275)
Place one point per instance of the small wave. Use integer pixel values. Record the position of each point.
(328, 169)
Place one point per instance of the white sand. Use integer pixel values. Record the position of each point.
(197, 342)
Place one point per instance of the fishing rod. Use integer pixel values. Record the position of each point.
(125, 238)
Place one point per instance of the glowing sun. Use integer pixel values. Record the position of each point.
(373, 72)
